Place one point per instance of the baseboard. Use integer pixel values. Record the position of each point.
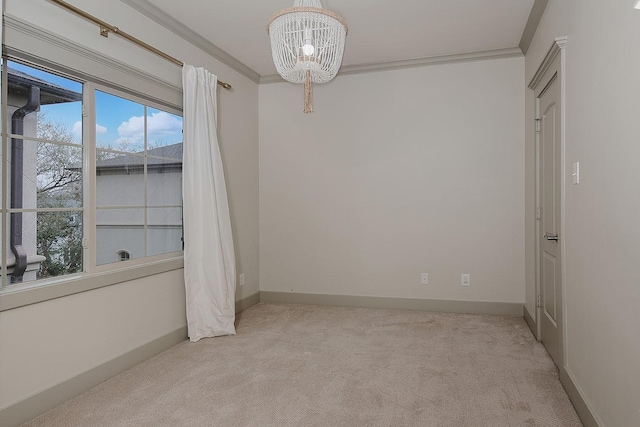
(243, 304)
(449, 306)
(582, 408)
(41, 402)
(530, 321)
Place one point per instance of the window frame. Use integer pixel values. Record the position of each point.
(93, 276)
(91, 207)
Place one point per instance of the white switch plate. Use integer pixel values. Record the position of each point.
(241, 279)
(465, 279)
(424, 278)
(576, 173)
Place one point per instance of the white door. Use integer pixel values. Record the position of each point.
(550, 133)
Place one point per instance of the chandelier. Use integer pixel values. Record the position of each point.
(307, 43)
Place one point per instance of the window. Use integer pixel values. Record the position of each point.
(88, 170)
(138, 178)
(123, 256)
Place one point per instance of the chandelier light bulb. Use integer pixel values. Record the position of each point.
(307, 45)
(307, 48)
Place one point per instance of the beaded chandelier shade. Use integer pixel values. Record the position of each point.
(307, 44)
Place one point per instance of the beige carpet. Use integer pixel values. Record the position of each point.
(297, 365)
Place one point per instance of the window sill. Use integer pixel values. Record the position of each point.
(16, 296)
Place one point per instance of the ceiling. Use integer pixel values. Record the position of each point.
(381, 32)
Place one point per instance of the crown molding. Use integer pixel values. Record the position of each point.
(416, 62)
(537, 10)
(181, 30)
(558, 46)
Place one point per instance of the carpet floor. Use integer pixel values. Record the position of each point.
(304, 365)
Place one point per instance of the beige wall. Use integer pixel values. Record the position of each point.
(47, 343)
(602, 234)
(394, 174)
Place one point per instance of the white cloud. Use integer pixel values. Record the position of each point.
(132, 128)
(77, 128)
(159, 124)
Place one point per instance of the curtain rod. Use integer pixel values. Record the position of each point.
(106, 28)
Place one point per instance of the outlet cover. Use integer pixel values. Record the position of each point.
(465, 279)
(241, 279)
(424, 278)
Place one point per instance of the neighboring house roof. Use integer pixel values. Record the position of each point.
(171, 157)
(50, 93)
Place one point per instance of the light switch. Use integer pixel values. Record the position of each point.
(576, 173)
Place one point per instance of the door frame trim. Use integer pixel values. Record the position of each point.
(538, 84)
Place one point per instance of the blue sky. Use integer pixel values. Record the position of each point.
(119, 122)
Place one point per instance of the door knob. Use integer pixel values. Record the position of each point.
(551, 236)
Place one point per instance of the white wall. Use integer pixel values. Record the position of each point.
(47, 343)
(602, 236)
(394, 174)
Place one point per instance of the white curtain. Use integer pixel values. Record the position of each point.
(209, 259)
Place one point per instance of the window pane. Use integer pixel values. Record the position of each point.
(59, 240)
(119, 230)
(58, 176)
(164, 230)
(164, 182)
(119, 123)
(172, 151)
(53, 122)
(55, 114)
(163, 130)
(119, 179)
(43, 174)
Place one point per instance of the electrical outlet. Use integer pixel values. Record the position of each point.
(424, 278)
(465, 279)
(241, 279)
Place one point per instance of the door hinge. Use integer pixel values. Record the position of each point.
(538, 213)
(539, 301)
(538, 125)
